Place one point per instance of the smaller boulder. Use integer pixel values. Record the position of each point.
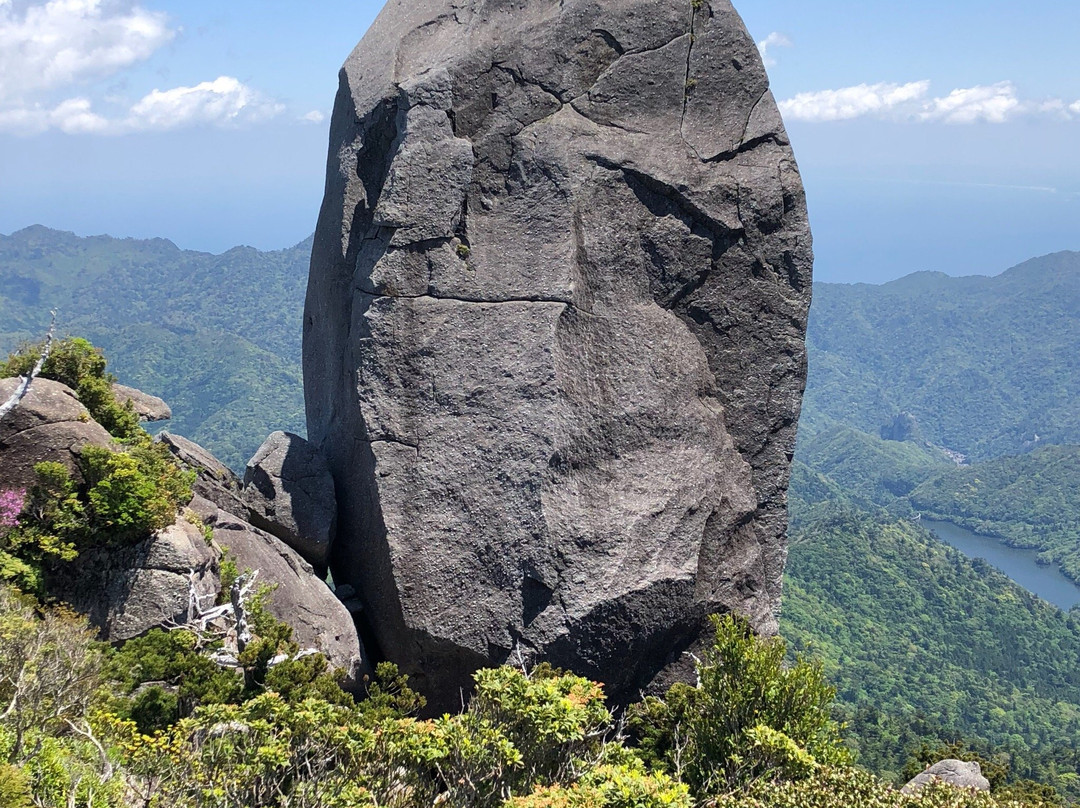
(959, 773)
(128, 591)
(49, 424)
(147, 407)
(300, 598)
(215, 482)
(289, 492)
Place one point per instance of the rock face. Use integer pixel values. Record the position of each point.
(215, 481)
(554, 334)
(147, 407)
(50, 424)
(128, 591)
(954, 772)
(290, 494)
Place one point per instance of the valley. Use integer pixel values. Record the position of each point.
(926, 646)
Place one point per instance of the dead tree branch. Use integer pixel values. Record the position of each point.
(24, 388)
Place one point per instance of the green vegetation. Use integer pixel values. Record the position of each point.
(1030, 501)
(984, 364)
(216, 336)
(81, 366)
(931, 654)
(829, 787)
(934, 655)
(156, 723)
(124, 495)
(120, 495)
(871, 471)
(751, 716)
(927, 647)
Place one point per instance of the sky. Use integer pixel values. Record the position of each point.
(931, 135)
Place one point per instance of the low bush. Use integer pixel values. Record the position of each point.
(160, 722)
(848, 787)
(752, 716)
(125, 496)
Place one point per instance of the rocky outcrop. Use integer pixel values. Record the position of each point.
(215, 481)
(957, 773)
(49, 424)
(290, 494)
(300, 598)
(126, 591)
(146, 406)
(554, 333)
(904, 427)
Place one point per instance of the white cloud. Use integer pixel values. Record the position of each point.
(48, 45)
(852, 102)
(995, 103)
(73, 116)
(315, 116)
(992, 103)
(773, 40)
(223, 102)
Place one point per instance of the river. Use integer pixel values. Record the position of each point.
(1045, 581)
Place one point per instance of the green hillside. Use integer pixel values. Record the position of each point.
(870, 470)
(928, 647)
(1030, 501)
(217, 336)
(988, 365)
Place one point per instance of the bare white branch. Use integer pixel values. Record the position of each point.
(24, 388)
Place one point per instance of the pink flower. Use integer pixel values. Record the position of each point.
(11, 505)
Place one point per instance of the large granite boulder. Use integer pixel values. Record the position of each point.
(290, 494)
(959, 773)
(554, 333)
(49, 424)
(126, 591)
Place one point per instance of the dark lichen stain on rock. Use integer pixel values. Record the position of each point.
(580, 447)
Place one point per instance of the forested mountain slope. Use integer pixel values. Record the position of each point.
(987, 365)
(217, 336)
(927, 647)
(1030, 501)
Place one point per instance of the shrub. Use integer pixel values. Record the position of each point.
(750, 717)
(131, 494)
(848, 787)
(188, 678)
(611, 786)
(49, 670)
(78, 364)
(14, 788)
(126, 496)
(389, 695)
